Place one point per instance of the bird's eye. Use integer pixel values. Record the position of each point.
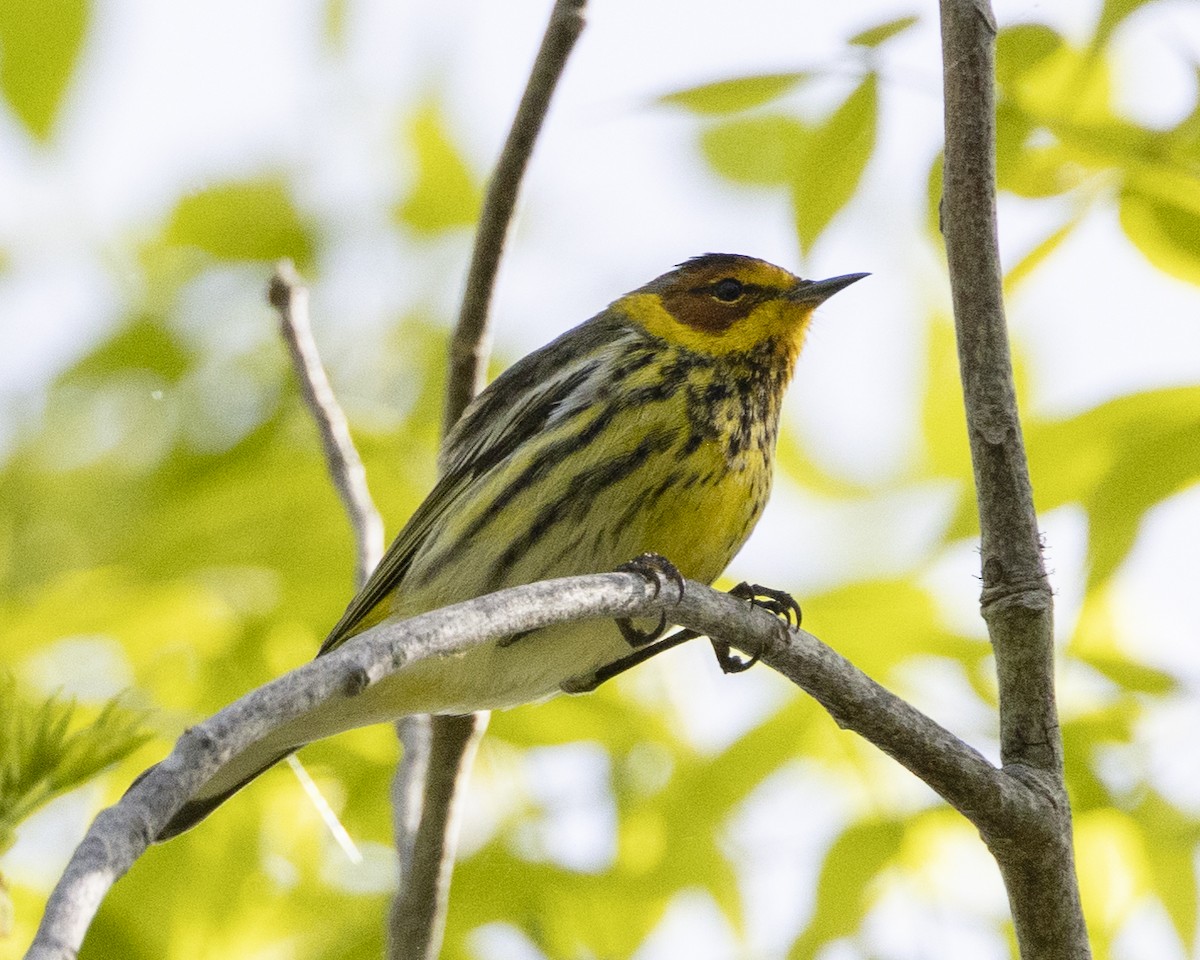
(727, 290)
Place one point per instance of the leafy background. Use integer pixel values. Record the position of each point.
(167, 532)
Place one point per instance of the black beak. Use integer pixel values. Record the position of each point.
(818, 291)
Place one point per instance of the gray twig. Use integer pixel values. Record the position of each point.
(1037, 858)
(469, 347)
(438, 751)
(289, 296)
(990, 798)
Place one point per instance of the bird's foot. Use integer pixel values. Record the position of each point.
(778, 602)
(658, 571)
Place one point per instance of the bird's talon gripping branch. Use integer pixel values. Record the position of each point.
(778, 602)
(656, 570)
(728, 662)
(775, 601)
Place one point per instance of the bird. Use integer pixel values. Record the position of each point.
(648, 429)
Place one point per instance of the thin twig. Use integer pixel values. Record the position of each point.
(428, 794)
(120, 834)
(438, 751)
(289, 296)
(469, 348)
(1036, 859)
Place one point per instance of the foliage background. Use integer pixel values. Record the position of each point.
(166, 527)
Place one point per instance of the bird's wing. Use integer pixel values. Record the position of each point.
(390, 571)
(539, 389)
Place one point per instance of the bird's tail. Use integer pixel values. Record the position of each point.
(200, 806)
(332, 718)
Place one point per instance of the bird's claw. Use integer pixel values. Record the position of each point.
(656, 570)
(778, 602)
(728, 661)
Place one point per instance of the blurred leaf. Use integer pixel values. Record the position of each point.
(859, 613)
(943, 421)
(143, 344)
(933, 197)
(40, 42)
(445, 194)
(1112, 868)
(1041, 252)
(792, 460)
(1170, 838)
(1119, 460)
(1021, 48)
(761, 151)
(1129, 675)
(830, 165)
(855, 859)
(1112, 15)
(251, 220)
(1082, 737)
(875, 36)
(335, 22)
(1165, 229)
(45, 751)
(730, 96)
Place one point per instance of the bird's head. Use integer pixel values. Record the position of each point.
(722, 303)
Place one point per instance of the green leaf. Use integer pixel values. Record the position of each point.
(1022, 48)
(875, 36)
(1041, 252)
(1081, 736)
(1112, 16)
(853, 861)
(445, 194)
(44, 750)
(933, 196)
(249, 220)
(1166, 229)
(1170, 838)
(1129, 675)
(832, 161)
(1118, 460)
(731, 96)
(761, 151)
(40, 42)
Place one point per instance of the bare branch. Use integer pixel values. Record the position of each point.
(121, 833)
(469, 348)
(289, 296)
(428, 794)
(438, 751)
(1038, 862)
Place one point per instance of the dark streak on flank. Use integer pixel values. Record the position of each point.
(580, 496)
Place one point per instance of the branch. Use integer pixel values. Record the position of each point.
(289, 296)
(427, 798)
(1037, 864)
(120, 834)
(427, 790)
(469, 348)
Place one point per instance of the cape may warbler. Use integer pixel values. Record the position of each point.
(649, 428)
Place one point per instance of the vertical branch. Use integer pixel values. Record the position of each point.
(289, 297)
(438, 751)
(427, 797)
(1038, 870)
(470, 345)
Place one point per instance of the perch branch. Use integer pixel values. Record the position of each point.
(120, 834)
